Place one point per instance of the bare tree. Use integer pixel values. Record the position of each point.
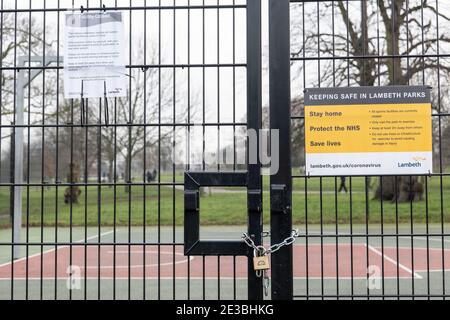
(140, 118)
(22, 37)
(71, 144)
(384, 43)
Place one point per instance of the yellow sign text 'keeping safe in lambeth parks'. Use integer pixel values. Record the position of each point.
(372, 132)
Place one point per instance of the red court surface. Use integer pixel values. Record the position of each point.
(327, 261)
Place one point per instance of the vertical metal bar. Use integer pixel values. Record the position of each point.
(174, 111)
(203, 121)
(427, 229)
(44, 64)
(336, 217)
(441, 195)
(306, 238)
(382, 240)
(129, 150)
(203, 278)
(427, 217)
(86, 177)
(352, 279)
(1, 91)
(144, 191)
(218, 277)
(411, 216)
(115, 178)
(99, 196)
(319, 82)
(335, 178)
(57, 150)
(188, 167)
(234, 278)
(13, 142)
(218, 85)
(280, 113)
(306, 179)
(18, 154)
(366, 200)
(159, 150)
(86, 189)
(27, 237)
(322, 282)
(397, 234)
(99, 192)
(234, 87)
(254, 104)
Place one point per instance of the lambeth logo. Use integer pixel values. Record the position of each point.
(409, 165)
(417, 162)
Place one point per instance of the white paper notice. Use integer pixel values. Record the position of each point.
(94, 55)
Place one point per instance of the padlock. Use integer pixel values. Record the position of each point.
(261, 263)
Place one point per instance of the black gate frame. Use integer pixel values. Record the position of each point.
(251, 179)
(280, 60)
(280, 183)
(280, 119)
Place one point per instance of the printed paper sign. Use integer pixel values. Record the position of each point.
(368, 131)
(94, 55)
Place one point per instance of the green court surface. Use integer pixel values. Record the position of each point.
(116, 264)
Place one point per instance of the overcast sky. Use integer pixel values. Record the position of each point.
(219, 42)
(218, 88)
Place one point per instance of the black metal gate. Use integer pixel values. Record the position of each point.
(100, 198)
(92, 189)
(371, 242)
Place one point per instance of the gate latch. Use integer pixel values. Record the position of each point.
(279, 198)
(193, 181)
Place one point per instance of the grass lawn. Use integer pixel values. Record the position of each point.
(219, 208)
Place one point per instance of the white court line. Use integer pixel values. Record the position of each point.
(401, 266)
(141, 266)
(142, 251)
(53, 249)
(177, 253)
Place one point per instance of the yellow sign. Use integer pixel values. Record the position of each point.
(368, 136)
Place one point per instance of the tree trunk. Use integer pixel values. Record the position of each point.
(72, 193)
(111, 178)
(405, 188)
(127, 171)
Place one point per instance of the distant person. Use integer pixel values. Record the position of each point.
(151, 176)
(343, 186)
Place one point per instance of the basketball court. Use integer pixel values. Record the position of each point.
(322, 265)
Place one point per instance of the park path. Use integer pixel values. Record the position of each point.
(231, 191)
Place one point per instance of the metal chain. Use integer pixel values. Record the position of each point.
(262, 251)
(272, 249)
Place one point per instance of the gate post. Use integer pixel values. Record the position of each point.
(254, 121)
(280, 119)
